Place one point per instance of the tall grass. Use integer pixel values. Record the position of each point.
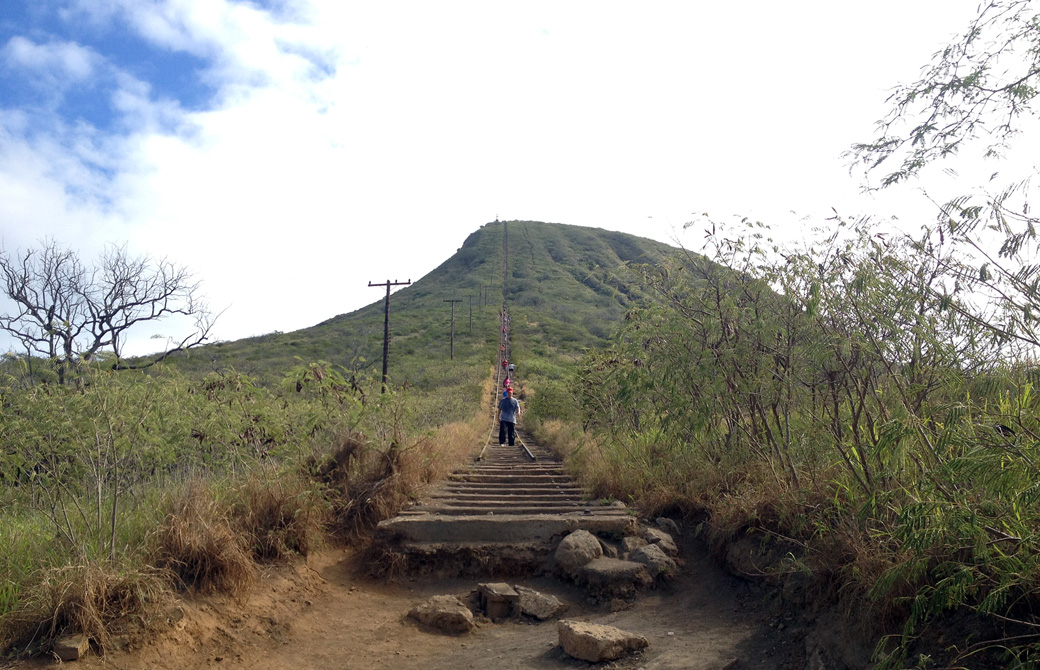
(129, 489)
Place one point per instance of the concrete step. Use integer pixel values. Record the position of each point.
(512, 478)
(549, 487)
(511, 511)
(502, 528)
(568, 493)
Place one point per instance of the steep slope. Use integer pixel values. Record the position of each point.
(567, 287)
(560, 287)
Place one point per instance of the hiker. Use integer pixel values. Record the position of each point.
(508, 410)
(512, 368)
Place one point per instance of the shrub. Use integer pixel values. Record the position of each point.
(197, 544)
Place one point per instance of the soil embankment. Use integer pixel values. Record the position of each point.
(327, 614)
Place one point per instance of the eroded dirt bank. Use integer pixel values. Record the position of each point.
(327, 614)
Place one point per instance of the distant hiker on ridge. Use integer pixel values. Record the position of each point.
(508, 409)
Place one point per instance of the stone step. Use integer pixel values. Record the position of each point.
(512, 510)
(536, 487)
(525, 468)
(513, 478)
(504, 510)
(505, 491)
(502, 528)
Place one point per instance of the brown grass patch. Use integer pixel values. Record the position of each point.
(197, 544)
(279, 516)
(92, 599)
(373, 482)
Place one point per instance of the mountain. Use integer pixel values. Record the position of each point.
(561, 285)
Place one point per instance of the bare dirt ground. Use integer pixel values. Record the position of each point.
(326, 614)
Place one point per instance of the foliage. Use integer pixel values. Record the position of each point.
(190, 472)
(978, 86)
(229, 473)
(846, 398)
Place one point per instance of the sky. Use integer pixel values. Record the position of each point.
(289, 152)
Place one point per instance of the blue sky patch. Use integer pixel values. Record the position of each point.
(171, 75)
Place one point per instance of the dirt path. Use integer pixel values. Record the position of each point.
(324, 615)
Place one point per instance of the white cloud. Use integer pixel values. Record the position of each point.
(54, 63)
(351, 141)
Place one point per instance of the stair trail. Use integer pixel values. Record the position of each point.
(503, 513)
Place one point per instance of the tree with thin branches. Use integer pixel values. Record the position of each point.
(68, 313)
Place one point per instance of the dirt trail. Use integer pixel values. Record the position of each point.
(325, 615)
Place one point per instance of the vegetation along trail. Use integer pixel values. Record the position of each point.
(842, 434)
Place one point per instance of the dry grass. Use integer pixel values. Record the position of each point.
(197, 544)
(91, 599)
(372, 482)
(279, 515)
(563, 438)
(452, 445)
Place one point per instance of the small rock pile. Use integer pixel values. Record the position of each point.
(607, 569)
(454, 615)
(618, 570)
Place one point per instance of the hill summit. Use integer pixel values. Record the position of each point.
(559, 282)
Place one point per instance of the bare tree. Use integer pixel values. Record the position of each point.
(68, 313)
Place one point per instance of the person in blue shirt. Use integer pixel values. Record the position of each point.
(508, 410)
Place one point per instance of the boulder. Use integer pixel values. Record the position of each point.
(499, 600)
(595, 642)
(656, 561)
(539, 605)
(576, 550)
(659, 537)
(631, 542)
(447, 614)
(71, 647)
(610, 577)
(667, 525)
(609, 549)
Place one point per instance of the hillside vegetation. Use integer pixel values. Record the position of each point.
(848, 416)
(119, 488)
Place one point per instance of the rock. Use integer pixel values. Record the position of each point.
(656, 536)
(630, 543)
(539, 605)
(609, 550)
(594, 642)
(498, 601)
(445, 613)
(71, 647)
(654, 558)
(576, 550)
(610, 577)
(668, 526)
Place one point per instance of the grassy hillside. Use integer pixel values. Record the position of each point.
(559, 287)
(568, 289)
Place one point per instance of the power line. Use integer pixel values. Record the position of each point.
(386, 322)
(453, 325)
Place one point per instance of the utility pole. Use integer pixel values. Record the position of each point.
(386, 322)
(453, 326)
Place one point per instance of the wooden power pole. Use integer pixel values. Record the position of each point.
(386, 322)
(453, 326)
